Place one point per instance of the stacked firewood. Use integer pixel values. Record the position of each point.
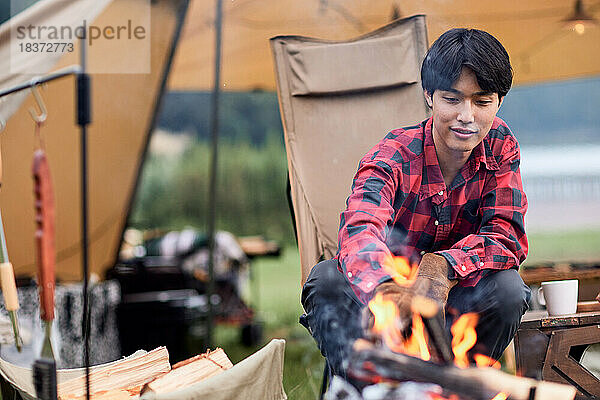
(145, 372)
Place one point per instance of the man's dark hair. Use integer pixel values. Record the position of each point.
(472, 48)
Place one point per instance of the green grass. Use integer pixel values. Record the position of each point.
(564, 246)
(275, 294)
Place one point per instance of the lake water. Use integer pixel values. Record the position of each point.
(562, 184)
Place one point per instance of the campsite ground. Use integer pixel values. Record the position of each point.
(276, 295)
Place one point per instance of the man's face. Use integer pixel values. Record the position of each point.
(463, 115)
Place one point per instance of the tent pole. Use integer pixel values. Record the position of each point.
(212, 192)
(83, 119)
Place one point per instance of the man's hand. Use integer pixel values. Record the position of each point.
(432, 278)
(431, 281)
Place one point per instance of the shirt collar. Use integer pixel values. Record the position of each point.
(433, 180)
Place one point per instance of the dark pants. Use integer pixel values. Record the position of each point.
(333, 312)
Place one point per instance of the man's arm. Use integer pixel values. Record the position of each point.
(500, 242)
(363, 226)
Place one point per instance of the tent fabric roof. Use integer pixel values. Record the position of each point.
(123, 106)
(532, 31)
(16, 66)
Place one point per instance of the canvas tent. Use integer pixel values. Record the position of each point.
(532, 31)
(123, 110)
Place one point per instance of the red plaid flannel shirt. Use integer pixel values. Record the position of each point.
(401, 206)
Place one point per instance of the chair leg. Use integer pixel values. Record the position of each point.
(325, 381)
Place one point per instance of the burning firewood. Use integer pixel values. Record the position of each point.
(431, 314)
(374, 365)
(423, 333)
(393, 356)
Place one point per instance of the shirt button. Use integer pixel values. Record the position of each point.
(349, 274)
(463, 267)
(481, 264)
(423, 252)
(369, 284)
(441, 192)
(436, 223)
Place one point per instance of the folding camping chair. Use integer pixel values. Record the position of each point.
(337, 100)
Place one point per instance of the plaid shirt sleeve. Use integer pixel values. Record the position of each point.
(500, 242)
(364, 225)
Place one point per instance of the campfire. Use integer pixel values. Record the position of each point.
(427, 316)
(420, 350)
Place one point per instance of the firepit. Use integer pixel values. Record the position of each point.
(396, 352)
(377, 365)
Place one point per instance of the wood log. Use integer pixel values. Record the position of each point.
(119, 379)
(128, 378)
(431, 314)
(190, 371)
(371, 364)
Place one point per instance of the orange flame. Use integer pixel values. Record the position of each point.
(385, 313)
(483, 361)
(416, 344)
(400, 270)
(463, 338)
(435, 396)
(386, 317)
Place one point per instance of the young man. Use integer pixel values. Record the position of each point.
(447, 194)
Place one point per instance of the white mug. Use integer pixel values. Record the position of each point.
(559, 297)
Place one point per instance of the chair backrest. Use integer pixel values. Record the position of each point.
(337, 100)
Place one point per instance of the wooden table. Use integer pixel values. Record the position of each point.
(588, 275)
(550, 348)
